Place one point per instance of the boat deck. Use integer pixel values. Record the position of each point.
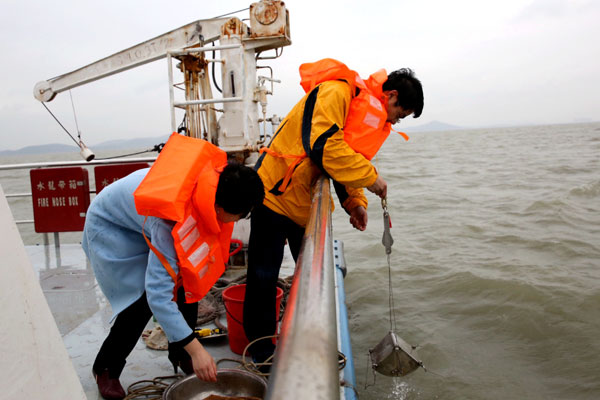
(82, 315)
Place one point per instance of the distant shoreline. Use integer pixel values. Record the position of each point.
(137, 144)
(149, 142)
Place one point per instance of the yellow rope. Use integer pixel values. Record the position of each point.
(252, 366)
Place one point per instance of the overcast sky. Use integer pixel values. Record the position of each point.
(482, 63)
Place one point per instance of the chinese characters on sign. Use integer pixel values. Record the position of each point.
(104, 175)
(61, 197)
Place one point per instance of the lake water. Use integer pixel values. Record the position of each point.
(495, 265)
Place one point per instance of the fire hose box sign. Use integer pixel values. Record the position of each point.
(61, 197)
(104, 175)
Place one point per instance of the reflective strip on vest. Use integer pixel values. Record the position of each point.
(190, 239)
(372, 120)
(199, 254)
(188, 224)
(375, 102)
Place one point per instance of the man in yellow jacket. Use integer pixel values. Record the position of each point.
(310, 142)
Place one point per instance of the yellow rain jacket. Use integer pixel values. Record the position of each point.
(314, 127)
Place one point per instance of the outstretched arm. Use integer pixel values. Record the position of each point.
(159, 291)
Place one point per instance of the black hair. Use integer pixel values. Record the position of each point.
(239, 189)
(410, 91)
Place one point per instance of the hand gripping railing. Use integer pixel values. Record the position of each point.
(306, 361)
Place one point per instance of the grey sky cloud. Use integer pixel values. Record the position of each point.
(505, 62)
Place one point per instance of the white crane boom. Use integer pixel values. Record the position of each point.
(189, 35)
(237, 130)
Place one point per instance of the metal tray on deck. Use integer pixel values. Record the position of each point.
(230, 382)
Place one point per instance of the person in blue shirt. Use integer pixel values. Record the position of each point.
(135, 282)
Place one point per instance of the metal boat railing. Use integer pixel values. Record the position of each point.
(41, 164)
(306, 360)
(52, 164)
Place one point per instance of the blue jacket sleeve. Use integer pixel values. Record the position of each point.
(160, 285)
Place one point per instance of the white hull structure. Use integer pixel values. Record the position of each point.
(34, 362)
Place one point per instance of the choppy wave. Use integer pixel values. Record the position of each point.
(495, 268)
(588, 190)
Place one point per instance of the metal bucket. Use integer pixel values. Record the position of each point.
(230, 383)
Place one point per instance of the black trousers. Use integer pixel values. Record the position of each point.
(128, 328)
(268, 234)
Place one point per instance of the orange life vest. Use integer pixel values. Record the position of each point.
(181, 187)
(365, 128)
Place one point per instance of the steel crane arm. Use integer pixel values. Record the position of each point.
(195, 33)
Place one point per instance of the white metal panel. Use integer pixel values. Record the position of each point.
(34, 362)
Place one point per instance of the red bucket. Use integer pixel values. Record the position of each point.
(233, 298)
